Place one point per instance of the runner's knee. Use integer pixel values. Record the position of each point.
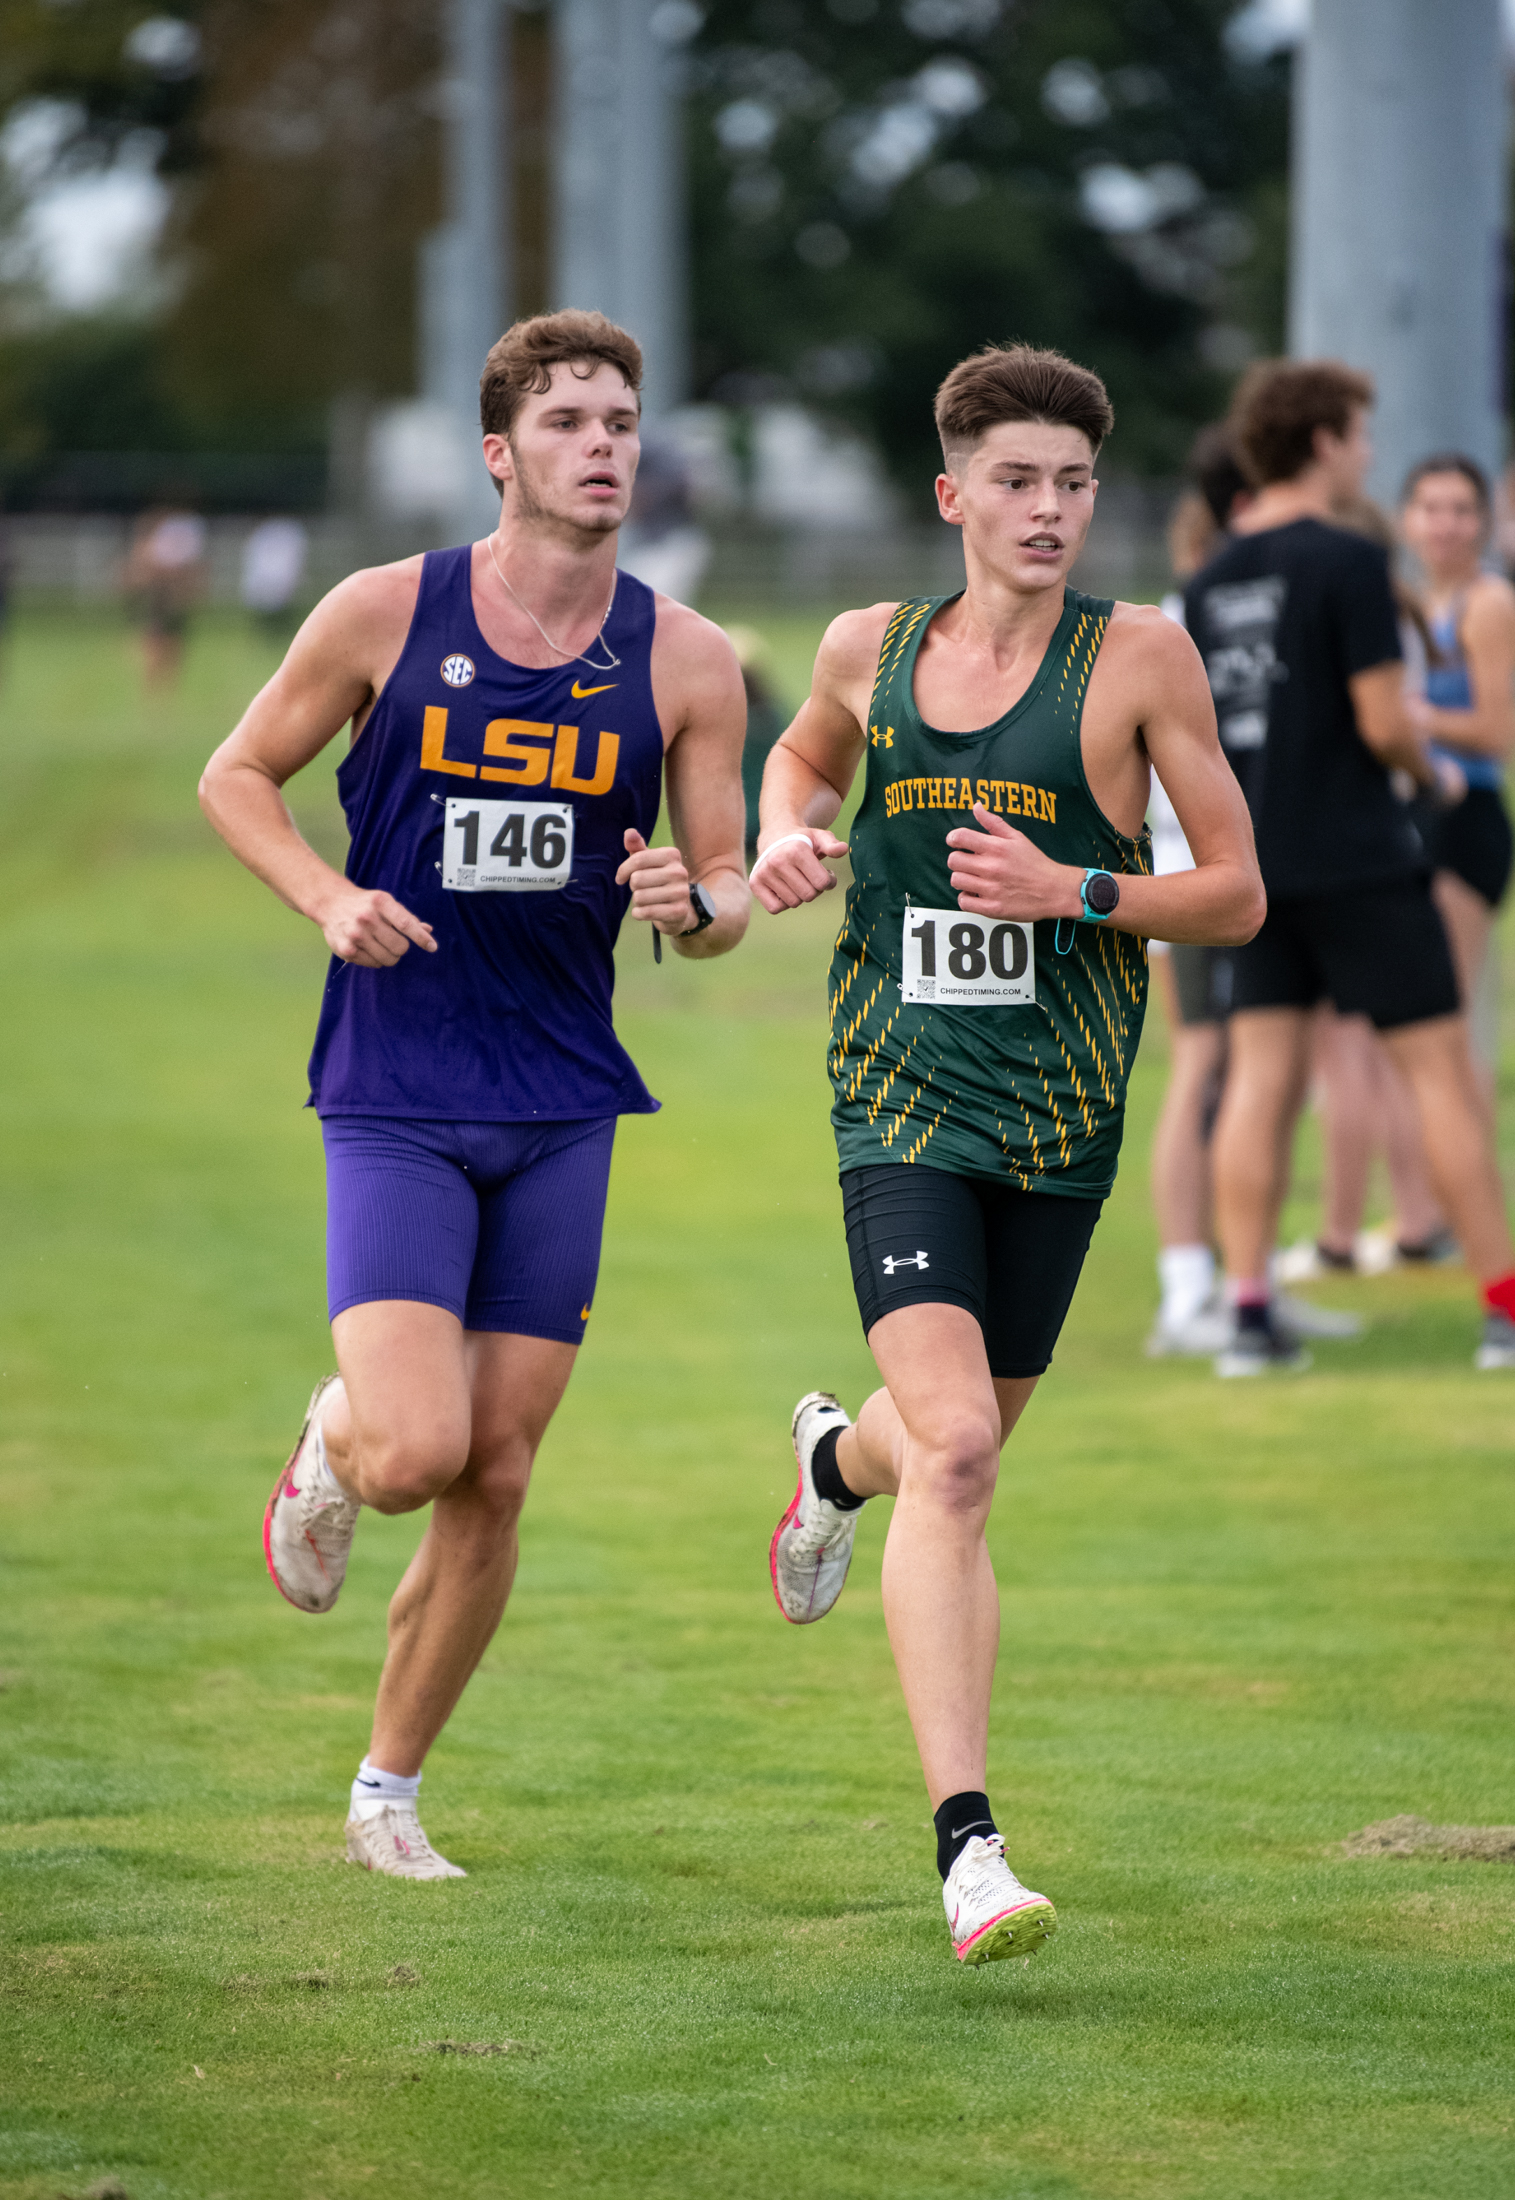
(400, 1473)
(956, 1466)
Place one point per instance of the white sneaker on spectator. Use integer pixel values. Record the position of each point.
(1497, 1349)
(1206, 1331)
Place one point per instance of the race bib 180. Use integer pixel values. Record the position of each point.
(507, 847)
(966, 961)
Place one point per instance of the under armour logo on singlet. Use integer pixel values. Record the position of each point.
(904, 1260)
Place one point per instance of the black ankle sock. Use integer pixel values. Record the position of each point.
(827, 1475)
(958, 1820)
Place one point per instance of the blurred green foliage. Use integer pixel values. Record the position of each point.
(875, 186)
(878, 189)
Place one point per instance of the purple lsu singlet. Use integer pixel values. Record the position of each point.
(492, 800)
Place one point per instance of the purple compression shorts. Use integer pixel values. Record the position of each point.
(498, 1222)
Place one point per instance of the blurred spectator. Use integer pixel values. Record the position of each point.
(165, 577)
(1192, 983)
(273, 566)
(1364, 1103)
(1298, 625)
(662, 543)
(1468, 709)
(766, 720)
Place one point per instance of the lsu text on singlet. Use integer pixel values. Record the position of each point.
(492, 800)
(961, 1042)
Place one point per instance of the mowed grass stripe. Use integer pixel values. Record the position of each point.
(1240, 1622)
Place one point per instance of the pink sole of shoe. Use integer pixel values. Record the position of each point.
(284, 1473)
(1020, 1930)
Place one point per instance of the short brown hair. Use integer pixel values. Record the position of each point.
(1017, 382)
(1280, 403)
(520, 365)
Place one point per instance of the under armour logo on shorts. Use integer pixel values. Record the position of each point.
(904, 1260)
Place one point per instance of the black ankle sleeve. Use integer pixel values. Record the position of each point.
(957, 1821)
(827, 1476)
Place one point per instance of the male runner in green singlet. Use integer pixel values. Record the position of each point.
(987, 994)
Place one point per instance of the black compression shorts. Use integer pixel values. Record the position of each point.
(1474, 841)
(1378, 951)
(919, 1236)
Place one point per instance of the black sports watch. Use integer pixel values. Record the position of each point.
(705, 912)
(1100, 896)
(702, 902)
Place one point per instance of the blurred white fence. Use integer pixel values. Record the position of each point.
(72, 558)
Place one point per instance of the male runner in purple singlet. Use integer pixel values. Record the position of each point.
(513, 705)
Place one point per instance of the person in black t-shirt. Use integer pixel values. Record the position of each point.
(1297, 625)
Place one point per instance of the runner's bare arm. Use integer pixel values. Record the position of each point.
(811, 765)
(1153, 704)
(336, 665)
(697, 686)
(1488, 640)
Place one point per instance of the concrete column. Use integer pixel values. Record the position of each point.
(618, 241)
(465, 264)
(1400, 121)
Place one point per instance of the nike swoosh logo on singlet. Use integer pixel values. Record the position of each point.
(579, 693)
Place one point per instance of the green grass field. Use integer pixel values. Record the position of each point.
(1241, 1621)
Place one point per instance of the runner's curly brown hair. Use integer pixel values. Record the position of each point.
(1018, 382)
(520, 365)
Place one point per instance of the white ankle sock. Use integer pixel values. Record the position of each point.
(373, 1790)
(1187, 1276)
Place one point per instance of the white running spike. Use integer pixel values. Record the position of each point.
(989, 1913)
(392, 1841)
(812, 1544)
(308, 1526)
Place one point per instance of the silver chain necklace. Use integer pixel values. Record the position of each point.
(572, 655)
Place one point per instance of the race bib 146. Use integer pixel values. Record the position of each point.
(966, 962)
(507, 847)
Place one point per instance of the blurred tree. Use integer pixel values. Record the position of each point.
(880, 186)
(316, 178)
(92, 382)
(302, 141)
(108, 70)
(877, 187)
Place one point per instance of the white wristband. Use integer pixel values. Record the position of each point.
(768, 851)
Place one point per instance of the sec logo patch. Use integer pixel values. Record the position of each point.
(457, 671)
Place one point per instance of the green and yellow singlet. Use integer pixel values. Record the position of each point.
(963, 1042)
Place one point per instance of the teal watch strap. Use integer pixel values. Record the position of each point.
(1089, 916)
(1092, 915)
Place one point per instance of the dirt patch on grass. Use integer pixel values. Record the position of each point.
(1410, 1836)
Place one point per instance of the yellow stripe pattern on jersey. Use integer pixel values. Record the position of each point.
(1033, 1095)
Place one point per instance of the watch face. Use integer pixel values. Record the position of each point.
(1101, 893)
(704, 903)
